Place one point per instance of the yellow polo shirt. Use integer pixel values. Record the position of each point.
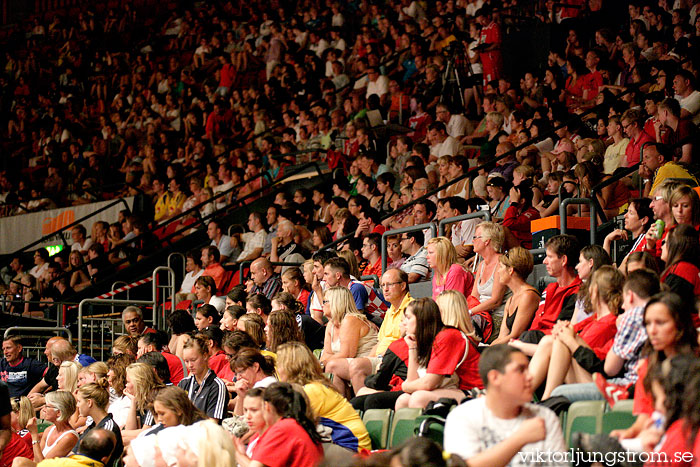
(389, 332)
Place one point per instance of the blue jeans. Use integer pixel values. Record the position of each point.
(579, 392)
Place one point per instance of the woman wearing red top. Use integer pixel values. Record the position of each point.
(294, 283)
(290, 438)
(671, 332)
(573, 90)
(681, 253)
(519, 215)
(554, 359)
(434, 364)
(669, 384)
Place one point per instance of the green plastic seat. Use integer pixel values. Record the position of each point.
(617, 420)
(378, 424)
(403, 425)
(585, 417)
(623, 406)
(431, 426)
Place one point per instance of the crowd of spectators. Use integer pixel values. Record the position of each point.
(201, 101)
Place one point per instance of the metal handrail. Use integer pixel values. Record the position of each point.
(562, 215)
(371, 277)
(410, 228)
(9, 330)
(171, 279)
(102, 301)
(184, 261)
(473, 215)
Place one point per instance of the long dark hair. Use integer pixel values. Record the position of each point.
(682, 245)
(687, 335)
(428, 325)
(288, 403)
(247, 357)
(673, 375)
(691, 405)
(282, 327)
(600, 258)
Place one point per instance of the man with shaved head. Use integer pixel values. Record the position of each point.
(57, 350)
(263, 279)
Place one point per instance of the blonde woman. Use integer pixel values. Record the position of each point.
(296, 364)
(455, 312)
(515, 267)
(141, 387)
(487, 291)
(59, 439)
(22, 411)
(447, 273)
(92, 373)
(92, 401)
(125, 344)
(67, 378)
(349, 334)
(120, 404)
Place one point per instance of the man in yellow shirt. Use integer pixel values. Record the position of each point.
(94, 451)
(657, 165)
(394, 284)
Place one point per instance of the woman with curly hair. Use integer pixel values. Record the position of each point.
(120, 404)
(141, 387)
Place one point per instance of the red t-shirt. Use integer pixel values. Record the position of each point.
(304, 297)
(675, 445)
(551, 305)
(687, 271)
(375, 268)
(177, 371)
(447, 358)
(643, 402)
(286, 443)
(218, 363)
(15, 448)
(634, 147)
(598, 333)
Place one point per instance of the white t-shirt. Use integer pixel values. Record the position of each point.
(449, 147)
(692, 105)
(457, 126)
(84, 247)
(472, 428)
(218, 302)
(378, 87)
(188, 281)
(252, 241)
(119, 408)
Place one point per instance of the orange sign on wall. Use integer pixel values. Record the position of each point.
(51, 224)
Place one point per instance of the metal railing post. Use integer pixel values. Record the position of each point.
(105, 302)
(579, 201)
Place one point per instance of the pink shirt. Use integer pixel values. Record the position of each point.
(456, 279)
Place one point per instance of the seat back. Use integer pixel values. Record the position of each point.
(584, 416)
(421, 289)
(378, 423)
(403, 425)
(617, 420)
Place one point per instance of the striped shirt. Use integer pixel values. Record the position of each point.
(210, 397)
